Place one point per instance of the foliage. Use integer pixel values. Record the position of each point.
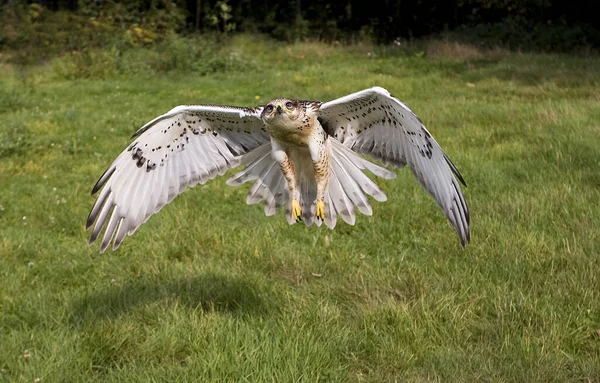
(212, 290)
(517, 34)
(155, 18)
(219, 17)
(199, 55)
(32, 33)
(28, 30)
(112, 38)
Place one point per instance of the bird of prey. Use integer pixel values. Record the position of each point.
(303, 155)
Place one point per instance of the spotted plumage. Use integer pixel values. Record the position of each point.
(303, 155)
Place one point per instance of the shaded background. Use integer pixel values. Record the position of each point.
(540, 25)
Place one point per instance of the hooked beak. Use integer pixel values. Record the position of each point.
(278, 108)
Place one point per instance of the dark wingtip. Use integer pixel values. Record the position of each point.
(139, 132)
(91, 219)
(455, 170)
(465, 241)
(142, 129)
(150, 124)
(103, 178)
(461, 179)
(94, 236)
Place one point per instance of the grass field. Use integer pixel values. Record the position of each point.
(211, 290)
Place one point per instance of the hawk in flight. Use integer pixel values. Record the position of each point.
(304, 155)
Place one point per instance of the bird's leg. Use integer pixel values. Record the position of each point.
(319, 153)
(289, 172)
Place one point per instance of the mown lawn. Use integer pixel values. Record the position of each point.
(212, 290)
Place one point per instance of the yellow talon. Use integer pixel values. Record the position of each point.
(296, 210)
(320, 209)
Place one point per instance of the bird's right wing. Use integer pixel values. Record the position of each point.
(375, 123)
(188, 145)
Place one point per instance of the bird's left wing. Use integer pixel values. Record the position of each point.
(376, 123)
(188, 145)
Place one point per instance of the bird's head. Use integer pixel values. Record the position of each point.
(282, 112)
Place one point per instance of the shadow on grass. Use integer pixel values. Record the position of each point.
(210, 293)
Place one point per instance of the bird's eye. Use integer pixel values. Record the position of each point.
(289, 105)
(269, 108)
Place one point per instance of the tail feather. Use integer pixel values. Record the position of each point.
(330, 213)
(343, 206)
(360, 162)
(260, 190)
(348, 185)
(273, 201)
(346, 177)
(255, 165)
(308, 195)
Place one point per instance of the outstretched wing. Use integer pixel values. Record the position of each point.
(374, 122)
(188, 145)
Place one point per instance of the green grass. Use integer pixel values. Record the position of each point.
(211, 290)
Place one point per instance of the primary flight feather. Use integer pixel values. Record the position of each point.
(303, 155)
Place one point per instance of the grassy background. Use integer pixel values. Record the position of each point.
(211, 290)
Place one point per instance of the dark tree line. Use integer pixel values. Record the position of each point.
(547, 23)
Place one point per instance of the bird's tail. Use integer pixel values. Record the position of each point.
(348, 185)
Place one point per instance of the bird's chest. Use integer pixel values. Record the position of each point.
(298, 134)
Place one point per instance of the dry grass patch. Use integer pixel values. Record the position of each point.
(461, 51)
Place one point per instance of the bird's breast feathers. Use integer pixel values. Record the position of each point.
(293, 132)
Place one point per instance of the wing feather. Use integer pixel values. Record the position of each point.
(340, 200)
(352, 188)
(375, 123)
(188, 145)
